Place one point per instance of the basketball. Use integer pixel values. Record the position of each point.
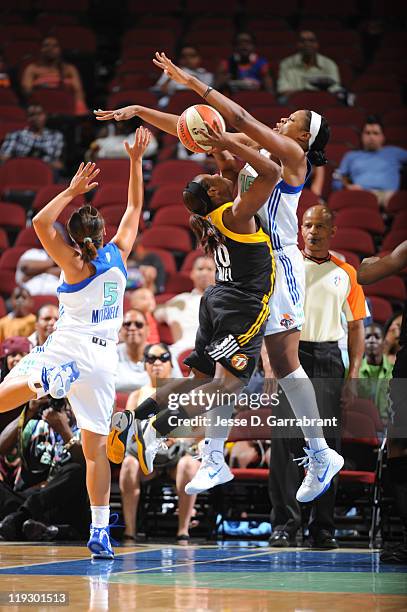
(192, 120)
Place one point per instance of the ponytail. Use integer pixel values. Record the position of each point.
(85, 226)
(206, 233)
(316, 152)
(317, 158)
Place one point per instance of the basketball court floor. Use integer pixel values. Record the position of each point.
(232, 576)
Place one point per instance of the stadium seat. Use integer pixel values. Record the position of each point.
(400, 222)
(9, 259)
(8, 97)
(283, 9)
(76, 39)
(395, 117)
(346, 198)
(45, 22)
(335, 152)
(12, 215)
(325, 36)
(351, 258)
(40, 300)
(110, 194)
(371, 82)
(336, 9)
(28, 238)
(24, 173)
(4, 244)
(397, 202)
(143, 35)
(110, 233)
(249, 99)
(172, 215)
(175, 171)
(393, 239)
(190, 258)
(113, 214)
(13, 113)
(48, 192)
(184, 368)
(396, 135)
(167, 259)
(167, 195)
(17, 52)
(179, 282)
(54, 101)
(7, 282)
(378, 102)
(345, 135)
(65, 214)
(165, 333)
(57, 6)
(182, 100)
(22, 32)
(167, 237)
(357, 217)
(270, 115)
(349, 117)
(121, 98)
(380, 309)
(313, 99)
(355, 240)
(114, 171)
(392, 288)
(3, 310)
(121, 401)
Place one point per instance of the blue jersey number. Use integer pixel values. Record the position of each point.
(110, 292)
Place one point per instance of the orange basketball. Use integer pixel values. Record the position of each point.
(191, 120)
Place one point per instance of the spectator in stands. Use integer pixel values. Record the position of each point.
(245, 69)
(375, 370)
(130, 374)
(190, 60)
(145, 269)
(375, 167)
(143, 299)
(21, 320)
(391, 333)
(37, 272)
(51, 72)
(35, 140)
(47, 316)
(181, 312)
(12, 350)
(109, 143)
(307, 70)
(157, 362)
(49, 500)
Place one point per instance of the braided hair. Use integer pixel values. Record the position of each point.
(198, 202)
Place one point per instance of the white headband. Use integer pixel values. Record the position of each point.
(314, 127)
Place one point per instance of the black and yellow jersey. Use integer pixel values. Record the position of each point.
(244, 261)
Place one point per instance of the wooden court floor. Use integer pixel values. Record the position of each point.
(238, 576)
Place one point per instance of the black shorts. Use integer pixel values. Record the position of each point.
(398, 399)
(231, 330)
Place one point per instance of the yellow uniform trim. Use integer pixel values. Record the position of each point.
(216, 217)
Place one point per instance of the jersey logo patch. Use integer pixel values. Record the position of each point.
(337, 280)
(287, 321)
(239, 361)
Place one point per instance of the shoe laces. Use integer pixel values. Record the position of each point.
(160, 444)
(208, 458)
(311, 463)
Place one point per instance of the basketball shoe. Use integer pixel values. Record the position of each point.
(117, 438)
(148, 444)
(321, 467)
(57, 381)
(99, 543)
(213, 471)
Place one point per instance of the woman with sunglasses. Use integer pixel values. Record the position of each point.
(158, 366)
(79, 359)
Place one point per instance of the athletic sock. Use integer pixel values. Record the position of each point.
(317, 444)
(218, 431)
(100, 516)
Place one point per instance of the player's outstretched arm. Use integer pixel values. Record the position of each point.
(163, 121)
(56, 247)
(283, 147)
(373, 269)
(128, 228)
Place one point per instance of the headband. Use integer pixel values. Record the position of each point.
(314, 127)
(197, 190)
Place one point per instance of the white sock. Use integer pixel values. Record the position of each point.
(317, 444)
(219, 431)
(215, 444)
(301, 396)
(100, 516)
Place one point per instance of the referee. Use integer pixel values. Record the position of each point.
(331, 289)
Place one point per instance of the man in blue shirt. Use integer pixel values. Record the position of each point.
(375, 167)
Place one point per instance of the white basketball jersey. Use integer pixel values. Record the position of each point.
(95, 305)
(278, 216)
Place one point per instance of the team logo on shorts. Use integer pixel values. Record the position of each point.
(239, 361)
(287, 321)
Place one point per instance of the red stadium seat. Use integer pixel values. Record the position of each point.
(4, 244)
(13, 113)
(179, 283)
(355, 240)
(184, 368)
(167, 195)
(307, 199)
(182, 100)
(28, 238)
(48, 192)
(65, 214)
(12, 215)
(338, 53)
(8, 97)
(396, 135)
(24, 173)
(113, 214)
(393, 239)
(40, 300)
(167, 237)
(392, 288)
(76, 38)
(397, 202)
(165, 333)
(345, 135)
(249, 99)
(335, 152)
(313, 99)
(172, 215)
(357, 217)
(399, 222)
(109, 194)
(114, 171)
(395, 117)
(349, 117)
(22, 32)
(7, 282)
(337, 9)
(54, 101)
(190, 258)
(75, 6)
(143, 36)
(351, 258)
(283, 9)
(175, 171)
(45, 22)
(121, 401)
(371, 82)
(110, 233)
(380, 308)
(378, 102)
(121, 98)
(3, 310)
(167, 259)
(347, 198)
(17, 52)
(347, 38)
(9, 259)
(270, 115)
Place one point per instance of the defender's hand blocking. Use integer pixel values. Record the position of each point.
(176, 74)
(141, 142)
(120, 114)
(214, 137)
(82, 181)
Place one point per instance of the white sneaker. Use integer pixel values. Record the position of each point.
(213, 471)
(57, 381)
(321, 467)
(148, 444)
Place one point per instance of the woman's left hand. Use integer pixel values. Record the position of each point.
(141, 142)
(174, 72)
(214, 137)
(82, 181)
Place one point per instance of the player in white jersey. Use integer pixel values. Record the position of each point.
(296, 142)
(79, 359)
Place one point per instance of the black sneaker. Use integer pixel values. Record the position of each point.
(281, 539)
(324, 540)
(35, 531)
(10, 527)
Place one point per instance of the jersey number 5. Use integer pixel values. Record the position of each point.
(110, 294)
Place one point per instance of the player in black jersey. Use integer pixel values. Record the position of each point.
(232, 314)
(371, 270)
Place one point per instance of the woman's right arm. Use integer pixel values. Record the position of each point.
(8, 437)
(163, 121)
(27, 80)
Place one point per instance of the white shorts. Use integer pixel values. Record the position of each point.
(287, 301)
(92, 395)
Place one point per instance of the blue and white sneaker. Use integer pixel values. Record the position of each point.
(99, 543)
(57, 381)
(321, 467)
(213, 471)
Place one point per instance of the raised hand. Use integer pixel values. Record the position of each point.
(120, 114)
(82, 181)
(170, 69)
(214, 137)
(141, 142)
